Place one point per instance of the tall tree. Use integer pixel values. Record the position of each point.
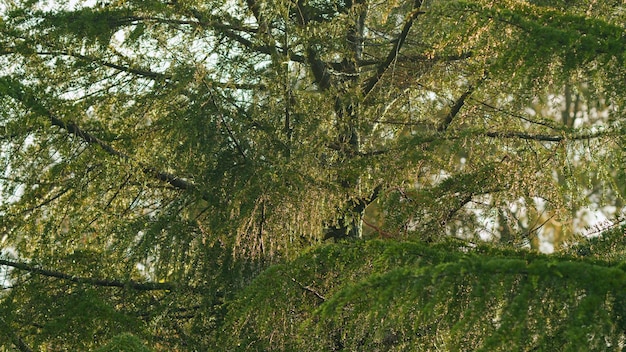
(158, 154)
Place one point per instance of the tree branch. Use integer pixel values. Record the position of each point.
(450, 213)
(135, 71)
(15, 339)
(319, 69)
(458, 104)
(72, 128)
(421, 58)
(381, 233)
(527, 136)
(139, 286)
(456, 108)
(227, 126)
(504, 134)
(536, 137)
(20, 93)
(393, 53)
(309, 289)
(141, 72)
(545, 123)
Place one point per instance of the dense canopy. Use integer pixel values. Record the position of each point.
(280, 175)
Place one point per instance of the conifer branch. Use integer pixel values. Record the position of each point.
(456, 108)
(21, 94)
(547, 137)
(143, 72)
(135, 71)
(14, 337)
(135, 285)
(395, 50)
(458, 104)
(167, 177)
(319, 69)
(381, 233)
(538, 137)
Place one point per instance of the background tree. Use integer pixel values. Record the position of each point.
(159, 155)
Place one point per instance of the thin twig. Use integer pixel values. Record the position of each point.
(309, 289)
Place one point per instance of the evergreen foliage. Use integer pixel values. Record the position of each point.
(311, 174)
(124, 343)
(388, 296)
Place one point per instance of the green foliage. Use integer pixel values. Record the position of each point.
(608, 245)
(410, 296)
(575, 40)
(158, 156)
(124, 343)
(68, 317)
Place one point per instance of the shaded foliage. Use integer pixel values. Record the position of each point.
(390, 296)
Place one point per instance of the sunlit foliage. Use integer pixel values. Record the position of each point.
(158, 155)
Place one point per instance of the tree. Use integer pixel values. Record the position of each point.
(159, 155)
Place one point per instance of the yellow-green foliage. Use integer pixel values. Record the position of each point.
(382, 296)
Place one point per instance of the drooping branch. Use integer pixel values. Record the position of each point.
(229, 130)
(73, 128)
(21, 94)
(135, 285)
